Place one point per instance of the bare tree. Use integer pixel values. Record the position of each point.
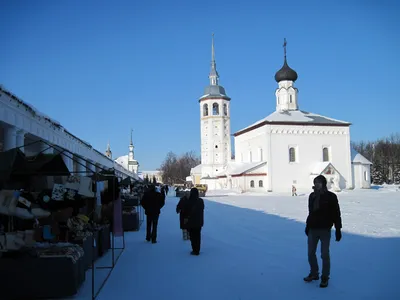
(175, 169)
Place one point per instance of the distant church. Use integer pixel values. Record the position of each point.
(127, 161)
(288, 147)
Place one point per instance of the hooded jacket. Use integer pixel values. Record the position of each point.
(323, 208)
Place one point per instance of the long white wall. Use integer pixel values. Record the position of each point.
(21, 119)
(275, 141)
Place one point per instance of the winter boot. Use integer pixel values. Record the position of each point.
(324, 282)
(311, 277)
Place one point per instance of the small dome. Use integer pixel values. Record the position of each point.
(285, 73)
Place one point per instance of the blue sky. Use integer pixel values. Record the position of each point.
(101, 68)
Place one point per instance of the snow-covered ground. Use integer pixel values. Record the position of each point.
(254, 247)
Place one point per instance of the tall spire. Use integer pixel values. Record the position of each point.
(131, 155)
(213, 72)
(284, 47)
(108, 146)
(131, 137)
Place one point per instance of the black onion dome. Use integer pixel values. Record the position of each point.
(286, 73)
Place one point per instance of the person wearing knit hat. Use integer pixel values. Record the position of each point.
(323, 213)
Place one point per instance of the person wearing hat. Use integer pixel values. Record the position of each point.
(323, 213)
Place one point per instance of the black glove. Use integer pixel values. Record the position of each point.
(306, 230)
(338, 234)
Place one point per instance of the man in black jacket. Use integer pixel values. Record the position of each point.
(193, 208)
(323, 213)
(152, 202)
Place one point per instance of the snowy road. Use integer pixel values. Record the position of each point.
(248, 255)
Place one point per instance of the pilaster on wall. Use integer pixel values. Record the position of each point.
(68, 161)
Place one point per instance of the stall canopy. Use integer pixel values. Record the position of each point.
(11, 160)
(14, 163)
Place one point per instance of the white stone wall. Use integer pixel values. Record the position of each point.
(275, 141)
(362, 175)
(215, 137)
(20, 120)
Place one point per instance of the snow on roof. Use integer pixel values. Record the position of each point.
(358, 158)
(196, 170)
(123, 161)
(319, 167)
(237, 168)
(297, 116)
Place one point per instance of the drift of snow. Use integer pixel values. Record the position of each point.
(254, 247)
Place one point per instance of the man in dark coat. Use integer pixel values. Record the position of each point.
(323, 213)
(194, 209)
(152, 202)
(166, 189)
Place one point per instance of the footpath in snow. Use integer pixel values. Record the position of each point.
(255, 248)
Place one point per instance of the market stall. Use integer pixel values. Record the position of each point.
(54, 224)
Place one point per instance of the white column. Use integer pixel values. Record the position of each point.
(20, 139)
(10, 138)
(81, 165)
(68, 161)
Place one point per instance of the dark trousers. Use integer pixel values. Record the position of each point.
(314, 236)
(195, 239)
(151, 228)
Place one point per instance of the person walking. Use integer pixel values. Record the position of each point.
(152, 202)
(194, 209)
(166, 189)
(323, 213)
(183, 217)
(294, 191)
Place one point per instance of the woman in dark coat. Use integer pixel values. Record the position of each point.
(183, 217)
(194, 209)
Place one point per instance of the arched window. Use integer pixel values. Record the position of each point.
(250, 156)
(292, 154)
(260, 183)
(215, 109)
(261, 154)
(205, 109)
(225, 109)
(325, 154)
(366, 176)
(252, 183)
(290, 98)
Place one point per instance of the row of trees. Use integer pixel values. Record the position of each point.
(176, 168)
(385, 157)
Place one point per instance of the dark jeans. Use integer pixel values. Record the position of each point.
(323, 235)
(151, 228)
(195, 239)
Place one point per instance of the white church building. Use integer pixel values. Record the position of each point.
(127, 161)
(289, 147)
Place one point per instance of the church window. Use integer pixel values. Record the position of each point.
(205, 109)
(292, 154)
(250, 156)
(325, 154)
(260, 183)
(365, 176)
(216, 146)
(252, 183)
(290, 98)
(215, 109)
(225, 109)
(261, 154)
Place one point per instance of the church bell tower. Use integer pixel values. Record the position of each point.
(215, 124)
